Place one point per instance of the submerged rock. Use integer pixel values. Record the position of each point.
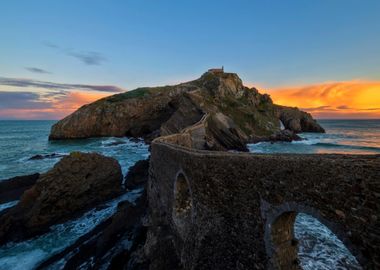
(76, 183)
(40, 157)
(235, 114)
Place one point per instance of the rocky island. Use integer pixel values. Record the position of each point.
(201, 206)
(230, 115)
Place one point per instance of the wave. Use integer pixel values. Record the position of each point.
(320, 248)
(308, 141)
(317, 142)
(8, 205)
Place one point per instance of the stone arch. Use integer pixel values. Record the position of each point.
(280, 242)
(182, 211)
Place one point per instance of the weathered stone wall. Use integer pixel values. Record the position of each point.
(238, 209)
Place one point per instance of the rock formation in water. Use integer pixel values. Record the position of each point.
(75, 184)
(235, 114)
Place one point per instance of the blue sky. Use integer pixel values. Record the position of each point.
(270, 43)
(51, 52)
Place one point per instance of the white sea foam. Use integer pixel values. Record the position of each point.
(307, 141)
(22, 260)
(7, 205)
(319, 248)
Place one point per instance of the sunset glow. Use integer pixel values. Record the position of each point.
(354, 99)
(53, 108)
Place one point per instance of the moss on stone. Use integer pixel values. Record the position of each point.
(138, 93)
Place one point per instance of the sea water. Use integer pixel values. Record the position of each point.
(20, 140)
(342, 137)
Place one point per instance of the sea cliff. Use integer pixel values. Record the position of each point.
(237, 114)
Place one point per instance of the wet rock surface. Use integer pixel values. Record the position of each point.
(12, 189)
(284, 136)
(111, 244)
(76, 183)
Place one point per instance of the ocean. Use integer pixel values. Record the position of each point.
(319, 248)
(341, 137)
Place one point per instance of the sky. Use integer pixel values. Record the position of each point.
(322, 56)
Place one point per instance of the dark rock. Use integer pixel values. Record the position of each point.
(12, 189)
(224, 134)
(160, 250)
(285, 136)
(297, 120)
(137, 175)
(54, 155)
(76, 183)
(187, 113)
(106, 243)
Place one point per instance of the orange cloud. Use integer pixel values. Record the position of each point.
(354, 99)
(55, 108)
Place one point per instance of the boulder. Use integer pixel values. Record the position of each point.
(137, 175)
(75, 184)
(285, 135)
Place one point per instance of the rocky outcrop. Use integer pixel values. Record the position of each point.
(110, 245)
(284, 136)
(224, 134)
(12, 189)
(137, 175)
(76, 183)
(297, 120)
(139, 113)
(237, 114)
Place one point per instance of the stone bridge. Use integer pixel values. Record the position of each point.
(226, 210)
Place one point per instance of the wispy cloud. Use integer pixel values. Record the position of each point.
(313, 109)
(37, 70)
(50, 45)
(51, 105)
(17, 82)
(22, 100)
(90, 58)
